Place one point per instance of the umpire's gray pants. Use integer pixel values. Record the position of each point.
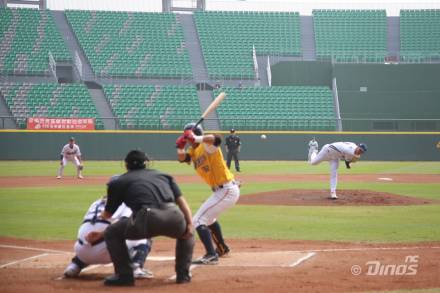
(167, 220)
(232, 155)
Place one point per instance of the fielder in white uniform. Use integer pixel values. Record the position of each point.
(97, 253)
(313, 147)
(347, 151)
(70, 152)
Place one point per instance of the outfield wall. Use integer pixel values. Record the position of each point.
(27, 145)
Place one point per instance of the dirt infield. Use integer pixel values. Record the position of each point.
(245, 179)
(254, 265)
(305, 197)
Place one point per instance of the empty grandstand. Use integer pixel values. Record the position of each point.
(153, 107)
(420, 34)
(49, 100)
(351, 35)
(26, 38)
(128, 44)
(278, 108)
(160, 70)
(228, 38)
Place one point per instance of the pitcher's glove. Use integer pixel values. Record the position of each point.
(80, 167)
(347, 164)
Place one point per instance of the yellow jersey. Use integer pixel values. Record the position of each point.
(210, 165)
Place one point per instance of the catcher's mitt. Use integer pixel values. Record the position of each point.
(80, 167)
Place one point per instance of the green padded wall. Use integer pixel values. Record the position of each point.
(16, 145)
(302, 73)
(389, 91)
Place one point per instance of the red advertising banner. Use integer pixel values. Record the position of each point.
(44, 123)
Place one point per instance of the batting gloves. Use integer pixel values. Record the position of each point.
(191, 137)
(181, 142)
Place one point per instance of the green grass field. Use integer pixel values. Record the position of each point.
(56, 212)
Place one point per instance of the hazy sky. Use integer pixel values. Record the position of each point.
(302, 6)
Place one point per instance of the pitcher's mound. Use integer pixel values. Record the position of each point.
(312, 197)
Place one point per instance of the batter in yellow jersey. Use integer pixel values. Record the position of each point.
(205, 154)
(210, 165)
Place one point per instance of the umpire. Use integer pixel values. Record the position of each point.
(233, 145)
(159, 208)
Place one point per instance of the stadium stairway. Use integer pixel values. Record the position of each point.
(6, 123)
(393, 39)
(72, 44)
(307, 38)
(205, 99)
(103, 108)
(192, 43)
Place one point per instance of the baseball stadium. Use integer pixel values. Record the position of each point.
(330, 109)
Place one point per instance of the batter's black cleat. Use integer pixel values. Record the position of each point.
(223, 251)
(207, 259)
(119, 280)
(183, 279)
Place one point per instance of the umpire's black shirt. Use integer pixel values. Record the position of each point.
(233, 142)
(142, 187)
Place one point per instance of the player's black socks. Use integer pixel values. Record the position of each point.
(217, 233)
(141, 252)
(205, 237)
(79, 262)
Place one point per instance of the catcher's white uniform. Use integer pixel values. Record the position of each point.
(333, 153)
(70, 152)
(97, 253)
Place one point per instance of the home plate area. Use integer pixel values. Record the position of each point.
(237, 259)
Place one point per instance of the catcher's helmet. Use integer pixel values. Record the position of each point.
(198, 130)
(363, 147)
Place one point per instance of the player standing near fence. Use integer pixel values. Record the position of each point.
(70, 152)
(205, 153)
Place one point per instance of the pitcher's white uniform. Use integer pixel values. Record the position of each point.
(98, 253)
(333, 153)
(70, 153)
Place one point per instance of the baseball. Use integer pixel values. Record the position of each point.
(263, 136)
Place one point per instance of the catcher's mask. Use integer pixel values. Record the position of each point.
(198, 130)
(136, 159)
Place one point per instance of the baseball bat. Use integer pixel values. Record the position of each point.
(211, 107)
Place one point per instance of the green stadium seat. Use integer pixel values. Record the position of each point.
(350, 35)
(127, 44)
(49, 100)
(277, 108)
(153, 107)
(420, 35)
(227, 40)
(27, 37)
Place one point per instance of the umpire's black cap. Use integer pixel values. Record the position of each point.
(136, 159)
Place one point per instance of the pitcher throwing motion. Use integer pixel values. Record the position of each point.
(205, 153)
(347, 151)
